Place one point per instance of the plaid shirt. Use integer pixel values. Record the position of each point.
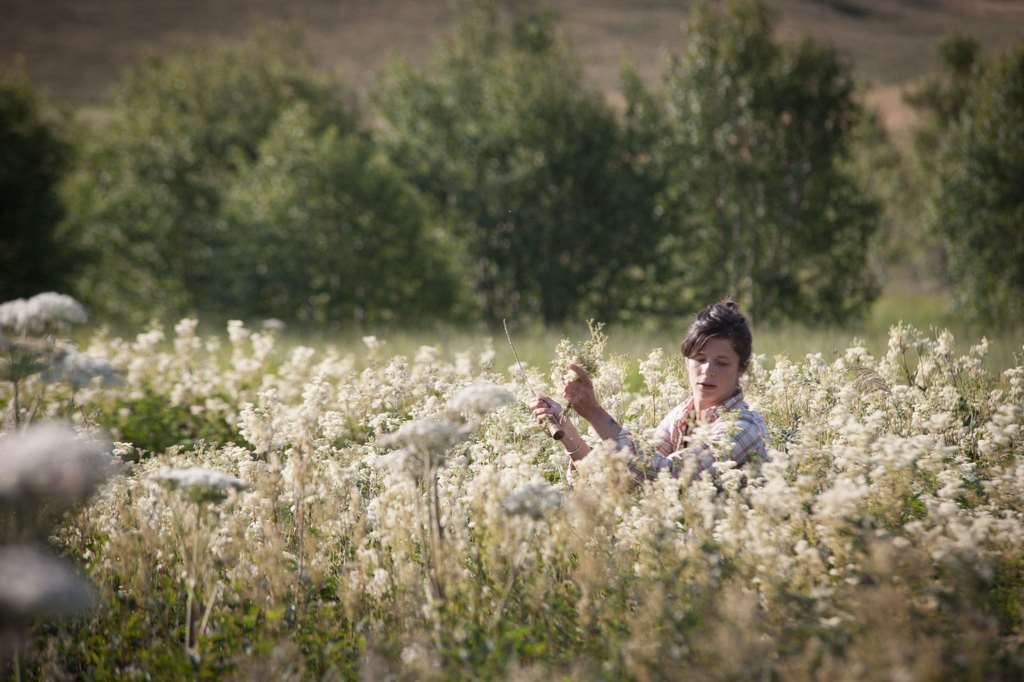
(674, 442)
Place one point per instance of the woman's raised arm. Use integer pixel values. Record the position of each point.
(582, 397)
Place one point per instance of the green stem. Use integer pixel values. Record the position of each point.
(17, 409)
(188, 620)
(190, 578)
(437, 513)
(426, 525)
(206, 616)
(300, 520)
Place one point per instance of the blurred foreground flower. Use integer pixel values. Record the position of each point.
(426, 435)
(79, 369)
(41, 313)
(480, 398)
(22, 358)
(49, 463)
(533, 500)
(202, 485)
(34, 584)
(272, 324)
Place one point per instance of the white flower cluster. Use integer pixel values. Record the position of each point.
(480, 398)
(426, 435)
(41, 313)
(533, 500)
(50, 463)
(44, 470)
(198, 477)
(201, 484)
(79, 369)
(34, 584)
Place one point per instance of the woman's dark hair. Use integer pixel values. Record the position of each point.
(722, 320)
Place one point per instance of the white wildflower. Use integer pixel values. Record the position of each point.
(199, 477)
(237, 333)
(202, 485)
(533, 500)
(844, 499)
(413, 653)
(126, 452)
(34, 585)
(486, 358)
(273, 325)
(13, 314)
(379, 583)
(50, 463)
(41, 313)
(79, 369)
(401, 460)
(480, 398)
(426, 355)
(426, 435)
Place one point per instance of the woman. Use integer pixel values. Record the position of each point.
(717, 349)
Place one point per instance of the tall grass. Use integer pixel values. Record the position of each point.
(535, 343)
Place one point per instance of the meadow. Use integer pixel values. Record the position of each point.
(361, 497)
(274, 510)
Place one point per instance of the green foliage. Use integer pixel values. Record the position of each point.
(942, 96)
(147, 197)
(906, 247)
(757, 193)
(325, 229)
(527, 165)
(977, 199)
(152, 423)
(33, 159)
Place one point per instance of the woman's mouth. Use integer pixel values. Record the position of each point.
(703, 384)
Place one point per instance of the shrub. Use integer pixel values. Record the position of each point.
(526, 165)
(33, 159)
(146, 198)
(754, 144)
(977, 199)
(326, 230)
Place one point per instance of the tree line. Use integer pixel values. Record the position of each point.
(494, 181)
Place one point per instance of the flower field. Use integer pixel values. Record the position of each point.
(273, 513)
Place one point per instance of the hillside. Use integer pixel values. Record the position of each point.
(76, 49)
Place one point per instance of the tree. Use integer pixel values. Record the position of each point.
(327, 231)
(526, 166)
(942, 96)
(977, 202)
(758, 193)
(146, 198)
(33, 159)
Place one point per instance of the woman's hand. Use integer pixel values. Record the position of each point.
(545, 409)
(580, 393)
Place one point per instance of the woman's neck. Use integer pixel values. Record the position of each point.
(700, 407)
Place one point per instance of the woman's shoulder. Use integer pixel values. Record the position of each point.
(753, 420)
(747, 417)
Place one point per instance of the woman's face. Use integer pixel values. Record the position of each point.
(714, 373)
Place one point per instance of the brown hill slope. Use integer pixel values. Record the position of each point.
(76, 49)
